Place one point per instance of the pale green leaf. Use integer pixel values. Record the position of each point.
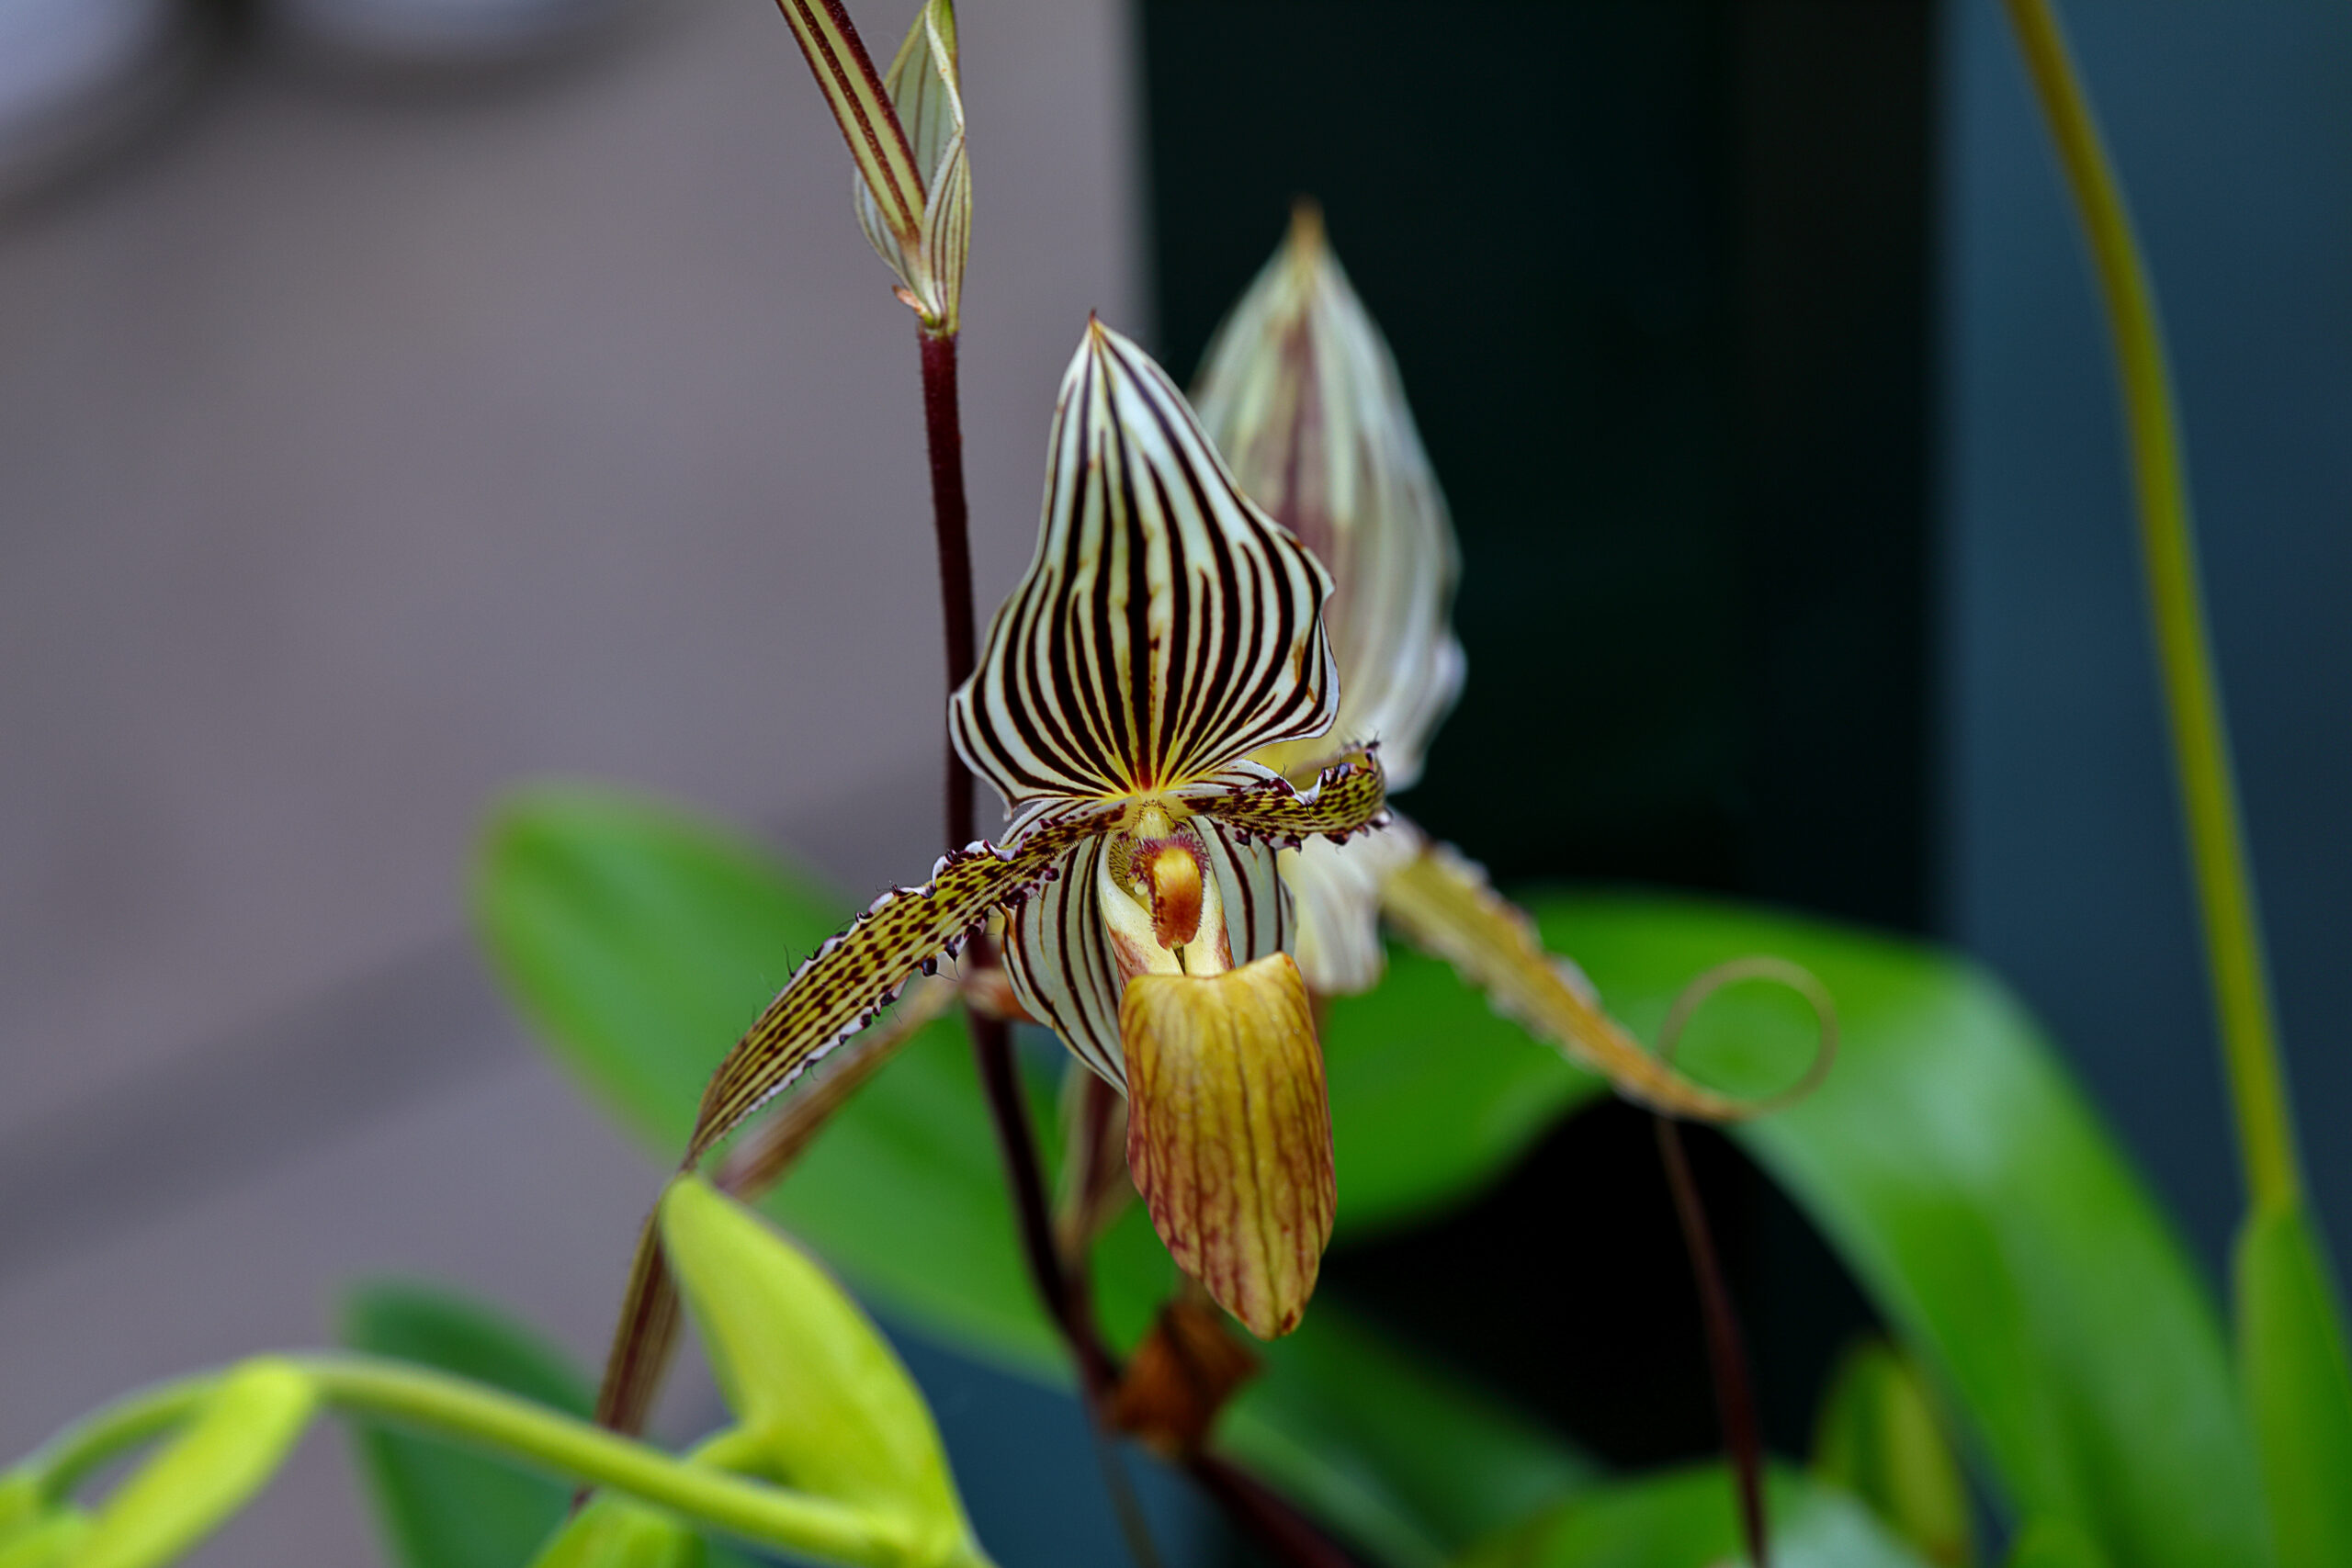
(801, 1366)
(207, 1473)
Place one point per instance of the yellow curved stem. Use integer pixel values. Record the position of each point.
(2192, 695)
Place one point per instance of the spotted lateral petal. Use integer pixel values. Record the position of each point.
(1350, 797)
(1166, 628)
(845, 982)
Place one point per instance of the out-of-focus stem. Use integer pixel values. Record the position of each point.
(2168, 551)
(1726, 1359)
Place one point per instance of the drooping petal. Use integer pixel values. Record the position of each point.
(1349, 796)
(1230, 1135)
(845, 982)
(1166, 628)
(1334, 893)
(1303, 398)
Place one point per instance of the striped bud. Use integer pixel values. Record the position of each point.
(1228, 1134)
(905, 131)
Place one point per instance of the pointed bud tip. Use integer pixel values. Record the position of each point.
(1305, 241)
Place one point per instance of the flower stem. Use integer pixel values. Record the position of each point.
(1726, 1359)
(951, 525)
(2192, 693)
(560, 1445)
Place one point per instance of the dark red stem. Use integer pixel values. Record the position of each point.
(1735, 1401)
(951, 524)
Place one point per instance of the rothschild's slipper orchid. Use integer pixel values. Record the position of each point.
(1303, 398)
(1166, 630)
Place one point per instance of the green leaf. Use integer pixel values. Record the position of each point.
(1877, 1436)
(641, 942)
(1688, 1519)
(1975, 1193)
(613, 1533)
(219, 1459)
(440, 1505)
(1433, 1096)
(2053, 1543)
(640, 939)
(2298, 1387)
(806, 1372)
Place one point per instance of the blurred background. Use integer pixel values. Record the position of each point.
(400, 398)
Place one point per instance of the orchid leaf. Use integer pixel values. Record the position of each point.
(2052, 1543)
(440, 1505)
(1972, 1189)
(639, 939)
(1686, 1519)
(2298, 1386)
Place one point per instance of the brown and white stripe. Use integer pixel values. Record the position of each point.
(1166, 628)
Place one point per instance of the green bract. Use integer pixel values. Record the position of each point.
(825, 1399)
(612, 1534)
(241, 1434)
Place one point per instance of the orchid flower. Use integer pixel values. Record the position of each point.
(1302, 396)
(1166, 630)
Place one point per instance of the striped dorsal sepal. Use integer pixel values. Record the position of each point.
(1351, 797)
(856, 974)
(1166, 628)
